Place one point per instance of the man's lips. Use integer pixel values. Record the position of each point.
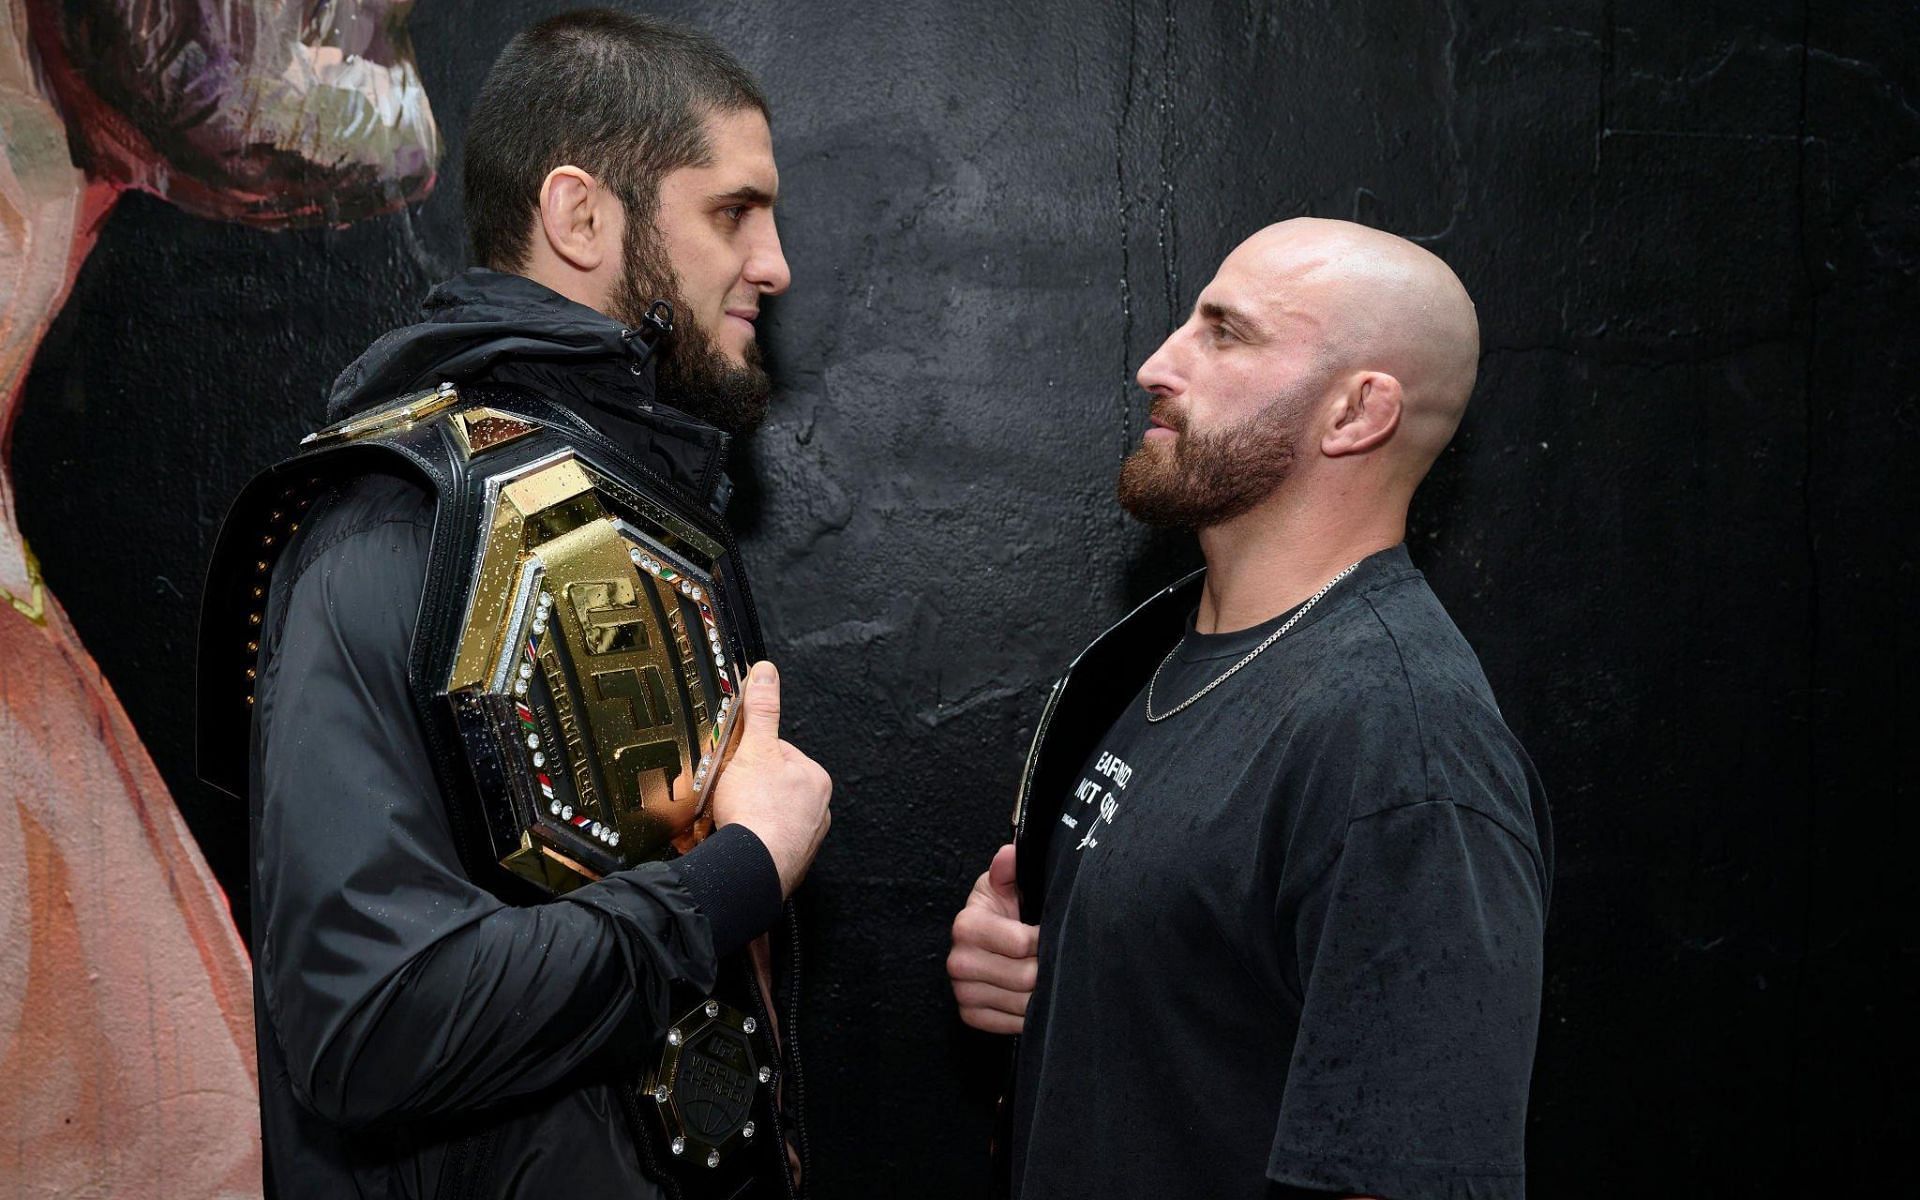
(740, 320)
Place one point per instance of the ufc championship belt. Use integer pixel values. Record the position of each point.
(578, 663)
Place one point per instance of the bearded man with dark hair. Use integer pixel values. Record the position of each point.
(633, 97)
(508, 907)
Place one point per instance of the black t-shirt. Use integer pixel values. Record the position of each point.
(1292, 935)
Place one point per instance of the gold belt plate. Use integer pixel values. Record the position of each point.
(598, 649)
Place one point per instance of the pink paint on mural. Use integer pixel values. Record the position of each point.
(126, 1024)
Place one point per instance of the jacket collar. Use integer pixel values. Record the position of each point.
(498, 327)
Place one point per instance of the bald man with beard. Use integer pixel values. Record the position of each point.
(1270, 924)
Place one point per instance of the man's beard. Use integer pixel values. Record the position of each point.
(1207, 479)
(693, 374)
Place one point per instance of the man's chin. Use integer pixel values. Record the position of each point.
(1146, 486)
(732, 398)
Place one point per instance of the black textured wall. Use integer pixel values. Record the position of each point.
(1677, 524)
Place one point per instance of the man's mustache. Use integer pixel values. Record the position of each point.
(1166, 412)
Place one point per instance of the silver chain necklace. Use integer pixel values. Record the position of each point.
(1252, 654)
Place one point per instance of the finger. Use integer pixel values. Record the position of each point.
(987, 1020)
(972, 994)
(995, 933)
(987, 893)
(1000, 873)
(968, 965)
(982, 887)
(761, 704)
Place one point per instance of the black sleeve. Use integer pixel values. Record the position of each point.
(399, 988)
(1420, 954)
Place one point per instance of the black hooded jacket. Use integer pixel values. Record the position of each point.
(418, 1037)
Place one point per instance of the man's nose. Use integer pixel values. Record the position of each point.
(1161, 374)
(767, 265)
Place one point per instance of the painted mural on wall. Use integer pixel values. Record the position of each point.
(126, 1029)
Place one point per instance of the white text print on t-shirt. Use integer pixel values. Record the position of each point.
(1095, 791)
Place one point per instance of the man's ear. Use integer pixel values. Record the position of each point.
(573, 218)
(1364, 416)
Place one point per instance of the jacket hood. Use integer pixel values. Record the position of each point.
(479, 317)
(491, 326)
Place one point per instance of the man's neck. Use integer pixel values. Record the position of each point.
(1269, 560)
(581, 287)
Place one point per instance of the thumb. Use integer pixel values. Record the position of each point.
(760, 715)
(1001, 876)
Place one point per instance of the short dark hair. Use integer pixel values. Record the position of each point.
(623, 98)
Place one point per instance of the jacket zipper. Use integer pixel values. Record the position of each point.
(793, 1054)
(778, 1134)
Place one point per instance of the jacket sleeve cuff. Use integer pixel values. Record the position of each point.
(732, 879)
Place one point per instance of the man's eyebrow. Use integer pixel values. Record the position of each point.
(747, 194)
(1228, 315)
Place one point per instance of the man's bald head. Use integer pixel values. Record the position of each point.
(1321, 354)
(1379, 303)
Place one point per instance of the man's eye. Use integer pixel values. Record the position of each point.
(1221, 333)
(735, 213)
